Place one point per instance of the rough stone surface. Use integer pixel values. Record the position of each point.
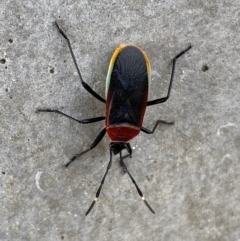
(189, 172)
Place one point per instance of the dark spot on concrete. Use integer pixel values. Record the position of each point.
(10, 41)
(2, 61)
(205, 68)
(52, 70)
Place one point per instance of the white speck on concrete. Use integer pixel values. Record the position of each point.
(37, 178)
(225, 157)
(225, 126)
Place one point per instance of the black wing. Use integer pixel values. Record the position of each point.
(128, 88)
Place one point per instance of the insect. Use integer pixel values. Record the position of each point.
(127, 87)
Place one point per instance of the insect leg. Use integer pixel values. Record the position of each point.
(100, 187)
(84, 84)
(84, 121)
(161, 100)
(94, 144)
(146, 130)
(134, 182)
(129, 150)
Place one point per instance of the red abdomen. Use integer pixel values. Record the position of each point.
(122, 133)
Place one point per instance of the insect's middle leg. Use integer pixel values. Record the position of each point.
(148, 131)
(84, 121)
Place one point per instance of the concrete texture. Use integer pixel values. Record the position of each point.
(189, 172)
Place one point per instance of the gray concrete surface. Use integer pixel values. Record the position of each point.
(189, 172)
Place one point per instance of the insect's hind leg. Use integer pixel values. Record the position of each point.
(163, 99)
(148, 131)
(84, 84)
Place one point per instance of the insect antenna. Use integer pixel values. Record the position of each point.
(134, 182)
(100, 187)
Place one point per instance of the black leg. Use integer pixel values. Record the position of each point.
(161, 100)
(84, 84)
(129, 150)
(94, 144)
(100, 187)
(134, 182)
(146, 130)
(85, 121)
